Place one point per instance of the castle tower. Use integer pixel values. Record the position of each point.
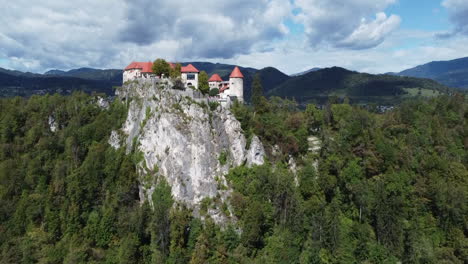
(189, 75)
(215, 81)
(236, 84)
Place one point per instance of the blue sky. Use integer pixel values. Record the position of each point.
(365, 35)
(427, 15)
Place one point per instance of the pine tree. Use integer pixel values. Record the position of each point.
(257, 92)
(203, 82)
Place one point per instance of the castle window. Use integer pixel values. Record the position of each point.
(190, 76)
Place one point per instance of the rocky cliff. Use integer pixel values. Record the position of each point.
(181, 138)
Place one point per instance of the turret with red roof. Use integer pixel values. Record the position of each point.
(215, 81)
(189, 75)
(236, 84)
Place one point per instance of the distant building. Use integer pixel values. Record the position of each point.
(189, 75)
(228, 90)
(138, 70)
(215, 81)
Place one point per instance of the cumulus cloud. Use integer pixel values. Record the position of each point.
(371, 34)
(110, 33)
(207, 29)
(458, 11)
(55, 34)
(345, 24)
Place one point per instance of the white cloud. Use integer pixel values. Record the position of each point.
(371, 34)
(355, 34)
(296, 56)
(345, 24)
(458, 11)
(110, 33)
(209, 28)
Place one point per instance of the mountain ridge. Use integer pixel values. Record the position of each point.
(315, 86)
(453, 73)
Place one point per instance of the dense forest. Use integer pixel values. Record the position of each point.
(383, 188)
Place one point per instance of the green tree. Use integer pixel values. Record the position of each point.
(160, 67)
(257, 92)
(175, 72)
(203, 82)
(214, 92)
(160, 229)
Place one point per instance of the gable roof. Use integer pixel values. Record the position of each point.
(236, 73)
(189, 68)
(145, 67)
(215, 78)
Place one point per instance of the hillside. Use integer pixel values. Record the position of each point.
(112, 75)
(452, 73)
(317, 86)
(305, 72)
(17, 83)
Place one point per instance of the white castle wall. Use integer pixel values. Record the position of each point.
(214, 85)
(188, 83)
(131, 74)
(236, 88)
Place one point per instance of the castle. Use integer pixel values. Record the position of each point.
(228, 90)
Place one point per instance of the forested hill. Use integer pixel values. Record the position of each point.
(453, 73)
(110, 75)
(382, 188)
(16, 83)
(318, 85)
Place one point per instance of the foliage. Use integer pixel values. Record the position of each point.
(257, 92)
(161, 67)
(213, 105)
(223, 157)
(384, 188)
(214, 92)
(176, 71)
(178, 84)
(203, 82)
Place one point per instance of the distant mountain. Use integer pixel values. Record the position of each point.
(305, 72)
(55, 72)
(111, 75)
(453, 73)
(16, 83)
(18, 73)
(317, 86)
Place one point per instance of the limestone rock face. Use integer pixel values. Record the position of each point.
(184, 141)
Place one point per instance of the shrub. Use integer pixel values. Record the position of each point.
(214, 92)
(213, 105)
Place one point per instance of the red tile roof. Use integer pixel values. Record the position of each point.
(189, 68)
(172, 65)
(144, 66)
(236, 73)
(215, 78)
(223, 89)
